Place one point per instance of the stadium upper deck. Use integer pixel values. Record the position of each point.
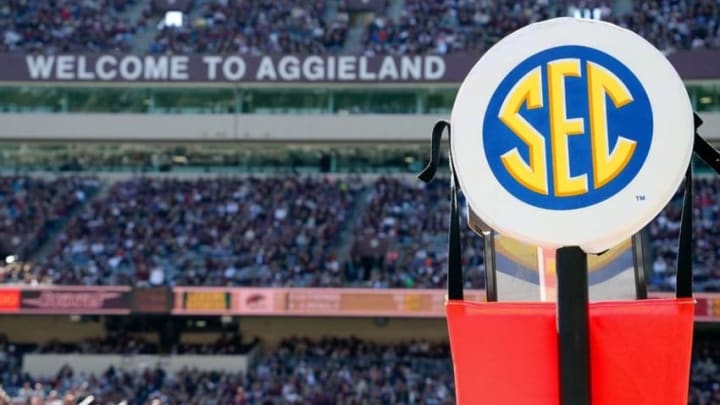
(292, 26)
(317, 52)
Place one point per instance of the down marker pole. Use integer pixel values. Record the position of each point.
(572, 317)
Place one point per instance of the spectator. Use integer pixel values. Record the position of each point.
(223, 231)
(665, 230)
(256, 27)
(403, 237)
(261, 27)
(299, 370)
(65, 26)
(275, 231)
(445, 27)
(30, 208)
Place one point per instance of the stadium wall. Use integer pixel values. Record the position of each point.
(42, 329)
(272, 330)
(241, 127)
(48, 365)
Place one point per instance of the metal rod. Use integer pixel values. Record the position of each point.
(490, 266)
(684, 279)
(573, 339)
(640, 263)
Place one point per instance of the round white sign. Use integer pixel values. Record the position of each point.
(571, 132)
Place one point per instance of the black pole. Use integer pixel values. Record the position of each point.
(573, 339)
(684, 275)
(641, 259)
(490, 266)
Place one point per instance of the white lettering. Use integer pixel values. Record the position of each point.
(411, 68)
(312, 68)
(39, 66)
(330, 68)
(234, 68)
(179, 68)
(211, 62)
(266, 69)
(364, 73)
(289, 68)
(388, 69)
(64, 67)
(346, 67)
(130, 68)
(83, 73)
(156, 69)
(102, 73)
(434, 67)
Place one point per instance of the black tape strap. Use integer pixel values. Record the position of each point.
(684, 279)
(711, 157)
(455, 272)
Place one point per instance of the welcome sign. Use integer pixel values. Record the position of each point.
(233, 68)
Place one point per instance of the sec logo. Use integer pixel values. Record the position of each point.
(571, 132)
(567, 128)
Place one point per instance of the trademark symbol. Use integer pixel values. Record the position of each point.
(640, 197)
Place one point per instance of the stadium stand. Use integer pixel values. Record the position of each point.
(142, 232)
(32, 208)
(255, 27)
(427, 26)
(402, 237)
(664, 233)
(260, 27)
(476, 26)
(66, 26)
(705, 374)
(670, 26)
(296, 371)
(152, 231)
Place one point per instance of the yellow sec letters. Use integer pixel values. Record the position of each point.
(564, 125)
(606, 164)
(561, 127)
(533, 175)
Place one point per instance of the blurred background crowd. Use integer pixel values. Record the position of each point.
(256, 27)
(298, 371)
(311, 231)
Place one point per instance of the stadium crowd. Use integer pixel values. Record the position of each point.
(299, 370)
(705, 374)
(664, 232)
(313, 231)
(258, 27)
(30, 208)
(670, 26)
(65, 26)
(443, 27)
(401, 239)
(222, 231)
(255, 27)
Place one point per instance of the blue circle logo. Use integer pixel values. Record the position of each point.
(567, 128)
